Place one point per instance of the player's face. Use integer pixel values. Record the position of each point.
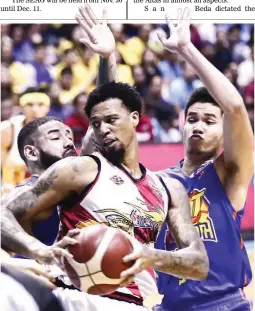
(55, 142)
(35, 110)
(114, 127)
(203, 129)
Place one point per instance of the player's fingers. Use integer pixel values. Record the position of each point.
(189, 17)
(136, 268)
(91, 15)
(84, 26)
(186, 14)
(179, 15)
(161, 37)
(132, 256)
(40, 270)
(73, 232)
(86, 17)
(62, 252)
(66, 241)
(105, 16)
(169, 22)
(42, 280)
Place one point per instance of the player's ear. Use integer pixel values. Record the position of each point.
(135, 118)
(31, 153)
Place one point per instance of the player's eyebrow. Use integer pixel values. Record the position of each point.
(53, 131)
(210, 115)
(192, 113)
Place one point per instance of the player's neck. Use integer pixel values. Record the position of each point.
(131, 161)
(33, 170)
(191, 163)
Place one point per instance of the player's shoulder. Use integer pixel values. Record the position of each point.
(75, 164)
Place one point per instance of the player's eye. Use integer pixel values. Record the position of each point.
(192, 120)
(95, 124)
(112, 120)
(54, 138)
(209, 122)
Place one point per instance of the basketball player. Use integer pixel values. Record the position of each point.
(35, 104)
(216, 182)
(139, 206)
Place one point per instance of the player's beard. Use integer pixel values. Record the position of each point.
(46, 159)
(115, 154)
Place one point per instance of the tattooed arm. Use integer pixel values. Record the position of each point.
(62, 178)
(190, 260)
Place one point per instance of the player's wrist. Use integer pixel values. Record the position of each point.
(185, 49)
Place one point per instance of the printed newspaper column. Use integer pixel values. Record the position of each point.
(47, 11)
(203, 10)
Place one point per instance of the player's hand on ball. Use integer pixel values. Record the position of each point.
(143, 256)
(179, 34)
(55, 253)
(99, 37)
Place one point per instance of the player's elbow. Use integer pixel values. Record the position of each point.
(236, 105)
(202, 263)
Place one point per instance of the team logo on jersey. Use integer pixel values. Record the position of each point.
(139, 217)
(117, 180)
(200, 215)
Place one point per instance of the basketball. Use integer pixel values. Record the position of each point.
(97, 260)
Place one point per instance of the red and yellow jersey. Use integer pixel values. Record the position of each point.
(118, 200)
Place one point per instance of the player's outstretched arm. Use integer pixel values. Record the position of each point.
(100, 40)
(237, 160)
(22, 207)
(190, 261)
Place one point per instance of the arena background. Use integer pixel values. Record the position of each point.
(51, 58)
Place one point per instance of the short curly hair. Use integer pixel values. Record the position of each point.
(130, 98)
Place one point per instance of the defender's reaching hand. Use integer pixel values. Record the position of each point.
(99, 37)
(180, 34)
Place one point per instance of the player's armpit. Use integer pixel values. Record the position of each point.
(191, 260)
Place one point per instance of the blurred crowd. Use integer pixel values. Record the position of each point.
(51, 58)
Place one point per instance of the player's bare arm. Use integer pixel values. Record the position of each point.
(101, 41)
(37, 201)
(191, 260)
(236, 162)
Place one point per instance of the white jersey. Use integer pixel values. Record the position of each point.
(116, 199)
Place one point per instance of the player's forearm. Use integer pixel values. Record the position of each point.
(188, 263)
(217, 84)
(107, 70)
(15, 239)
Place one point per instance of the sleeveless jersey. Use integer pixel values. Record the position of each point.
(219, 227)
(45, 231)
(14, 168)
(137, 206)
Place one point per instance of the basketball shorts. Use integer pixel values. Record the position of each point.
(74, 300)
(235, 301)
